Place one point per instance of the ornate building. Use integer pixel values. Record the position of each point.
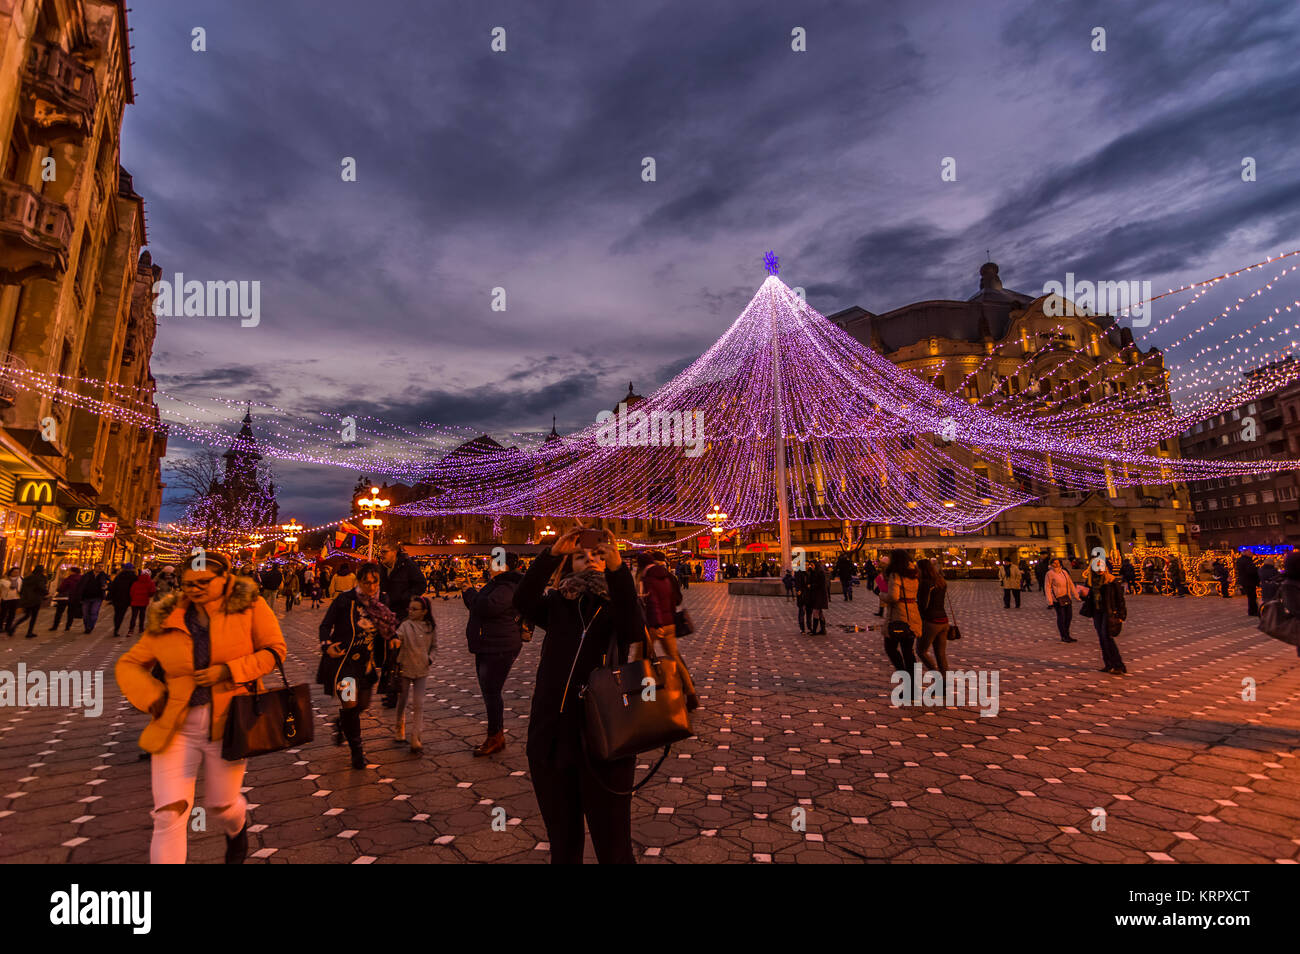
(75, 288)
(995, 345)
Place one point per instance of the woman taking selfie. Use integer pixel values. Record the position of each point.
(210, 638)
(354, 637)
(592, 597)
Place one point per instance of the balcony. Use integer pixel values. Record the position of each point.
(59, 95)
(34, 235)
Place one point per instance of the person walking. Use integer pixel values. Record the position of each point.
(819, 598)
(142, 591)
(1009, 577)
(400, 580)
(343, 581)
(354, 638)
(869, 575)
(31, 596)
(292, 588)
(69, 595)
(1219, 570)
(495, 635)
(801, 599)
(903, 624)
(591, 602)
(1041, 569)
(272, 581)
(661, 595)
(931, 602)
(787, 580)
(119, 594)
(1061, 593)
(1128, 574)
(203, 644)
(415, 643)
(94, 588)
(1248, 580)
(882, 588)
(10, 586)
(844, 569)
(1104, 601)
(1026, 578)
(1269, 581)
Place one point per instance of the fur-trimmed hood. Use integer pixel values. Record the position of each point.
(242, 593)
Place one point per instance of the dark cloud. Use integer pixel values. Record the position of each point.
(522, 171)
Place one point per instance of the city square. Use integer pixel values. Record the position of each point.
(1185, 770)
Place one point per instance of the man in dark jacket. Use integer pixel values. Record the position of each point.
(31, 596)
(495, 634)
(1248, 580)
(94, 587)
(119, 594)
(844, 570)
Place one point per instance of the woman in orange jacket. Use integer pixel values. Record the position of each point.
(210, 638)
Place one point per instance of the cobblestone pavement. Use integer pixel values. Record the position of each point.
(1184, 769)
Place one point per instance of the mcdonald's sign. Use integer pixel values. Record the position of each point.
(34, 491)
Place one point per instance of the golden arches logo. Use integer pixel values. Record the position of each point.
(36, 492)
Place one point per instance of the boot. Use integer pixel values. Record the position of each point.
(358, 754)
(237, 846)
(492, 744)
(399, 730)
(338, 731)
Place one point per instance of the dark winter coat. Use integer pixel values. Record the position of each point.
(494, 624)
(555, 736)
(1247, 572)
(844, 569)
(819, 589)
(1108, 600)
(94, 585)
(364, 652)
(400, 583)
(36, 586)
(119, 591)
(272, 580)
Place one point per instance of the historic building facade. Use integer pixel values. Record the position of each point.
(75, 289)
(998, 344)
(1252, 510)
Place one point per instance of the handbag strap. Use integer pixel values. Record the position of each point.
(947, 597)
(635, 788)
(279, 664)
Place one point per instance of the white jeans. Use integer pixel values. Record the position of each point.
(175, 770)
(412, 691)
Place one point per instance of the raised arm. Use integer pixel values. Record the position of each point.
(530, 598)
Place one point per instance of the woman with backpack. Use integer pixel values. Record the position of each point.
(1103, 600)
(590, 602)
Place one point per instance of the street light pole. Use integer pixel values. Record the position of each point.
(371, 504)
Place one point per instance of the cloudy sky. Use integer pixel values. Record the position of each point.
(523, 170)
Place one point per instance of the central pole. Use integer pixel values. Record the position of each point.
(782, 501)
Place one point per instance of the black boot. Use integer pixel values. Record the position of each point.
(358, 756)
(237, 847)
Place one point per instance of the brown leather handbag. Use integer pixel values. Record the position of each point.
(270, 721)
(634, 707)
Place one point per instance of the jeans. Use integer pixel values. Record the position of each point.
(174, 772)
(493, 669)
(119, 614)
(1064, 613)
(1252, 600)
(28, 617)
(1110, 656)
(847, 586)
(936, 635)
(413, 690)
(8, 610)
(1007, 593)
(90, 613)
(137, 619)
(899, 650)
(567, 793)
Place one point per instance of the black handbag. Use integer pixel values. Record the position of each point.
(682, 623)
(620, 721)
(953, 631)
(269, 721)
(1088, 607)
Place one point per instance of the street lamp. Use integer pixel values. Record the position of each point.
(370, 505)
(257, 545)
(291, 532)
(716, 518)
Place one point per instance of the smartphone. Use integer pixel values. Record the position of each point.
(590, 539)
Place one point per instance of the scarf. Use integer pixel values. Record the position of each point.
(574, 585)
(385, 620)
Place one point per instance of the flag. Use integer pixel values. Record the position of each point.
(349, 528)
(324, 552)
(280, 548)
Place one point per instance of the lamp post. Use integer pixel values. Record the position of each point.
(370, 505)
(257, 545)
(716, 518)
(291, 533)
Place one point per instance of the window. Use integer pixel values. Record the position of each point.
(981, 481)
(972, 391)
(1266, 496)
(1037, 529)
(1255, 520)
(947, 483)
(1272, 519)
(1286, 493)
